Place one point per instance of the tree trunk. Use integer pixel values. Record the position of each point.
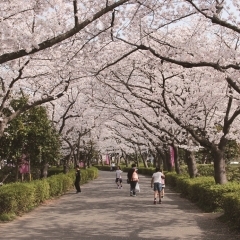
(162, 159)
(89, 161)
(17, 172)
(78, 146)
(144, 158)
(155, 160)
(65, 169)
(3, 125)
(136, 156)
(125, 158)
(145, 163)
(117, 158)
(176, 162)
(220, 174)
(66, 162)
(75, 159)
(167, 160)
(85, 161)
(126, 161)
(98, 159)
(44, 170)
(191, 163)
(38, 173)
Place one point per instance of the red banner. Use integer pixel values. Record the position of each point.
(24, 167)
(107, 159)
(81, 164)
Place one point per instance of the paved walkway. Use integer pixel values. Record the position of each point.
(103, 212)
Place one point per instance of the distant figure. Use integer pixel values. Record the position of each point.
(133, 179)
(118, 177)
(112, 167)
(156, 183)
(77, 179)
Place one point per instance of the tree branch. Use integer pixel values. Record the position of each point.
(75, 12)
(51, 42)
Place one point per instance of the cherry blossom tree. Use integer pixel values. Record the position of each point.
(173, 64)
(193, 100)
(39, 43)
(129, 125)
(203, 36)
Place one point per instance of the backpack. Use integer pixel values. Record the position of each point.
(134, 176)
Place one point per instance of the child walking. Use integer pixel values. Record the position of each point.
(119, 177)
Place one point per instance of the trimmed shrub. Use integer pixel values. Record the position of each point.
(8, 204)
(41, 191)
(171, 179)
(201, 190)
(205, 169)
(17, 198)
(233, 173)
(6, 217)
(54, 170)
(212, 200)
(231, 205)
(197, 187)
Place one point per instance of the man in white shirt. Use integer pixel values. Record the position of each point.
(156, 183)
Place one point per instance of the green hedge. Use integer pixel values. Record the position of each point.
(18, 198)
(53, 170)
(209, 196)
(231, 206)
(201, 190)
(233, 171)
(41, 190)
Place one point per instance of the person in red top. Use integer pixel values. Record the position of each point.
(133, 179)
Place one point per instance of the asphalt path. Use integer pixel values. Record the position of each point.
(104, 212)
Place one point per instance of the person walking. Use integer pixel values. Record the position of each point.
(119, 177)
(156, 183)
(77, 179)
(112, 168)
(133, 179)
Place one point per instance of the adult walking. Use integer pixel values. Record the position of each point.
(156, 183)
(77, 179)
(133, 179)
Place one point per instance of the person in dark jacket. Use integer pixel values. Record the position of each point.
(133, 179)
(77, 179)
